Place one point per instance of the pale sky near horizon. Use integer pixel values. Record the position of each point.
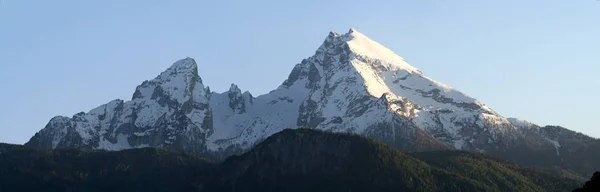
(536, 60)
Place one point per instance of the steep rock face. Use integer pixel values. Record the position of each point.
(170, 110)
(351, 84)
(354, 84)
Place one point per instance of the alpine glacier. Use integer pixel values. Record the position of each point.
(351, 84)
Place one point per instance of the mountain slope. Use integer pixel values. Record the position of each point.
(498, 172)
(351, 84)
(291, 160)
(570, 153)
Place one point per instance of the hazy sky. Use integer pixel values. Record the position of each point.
(537, 60)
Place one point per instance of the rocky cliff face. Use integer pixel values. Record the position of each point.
(170, 110)
(352, 84)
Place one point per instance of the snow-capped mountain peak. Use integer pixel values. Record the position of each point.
(383, 71)
(170, 110)
(351, 84)
(364, 46)
(183, 66)
(180, 83)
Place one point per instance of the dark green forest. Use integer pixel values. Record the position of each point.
(292, 160)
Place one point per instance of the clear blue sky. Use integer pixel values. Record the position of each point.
(537, 60)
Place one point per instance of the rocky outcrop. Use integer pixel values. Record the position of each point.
(169, 111)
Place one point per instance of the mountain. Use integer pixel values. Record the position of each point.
(290, 160)
(170, 110)
(351, 84)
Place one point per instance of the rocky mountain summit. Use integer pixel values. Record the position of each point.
(351, 84)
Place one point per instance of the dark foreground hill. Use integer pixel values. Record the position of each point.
(292, 160)
(149, 169)
(592, 185)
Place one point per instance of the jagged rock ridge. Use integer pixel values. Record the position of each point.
(170, 110)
